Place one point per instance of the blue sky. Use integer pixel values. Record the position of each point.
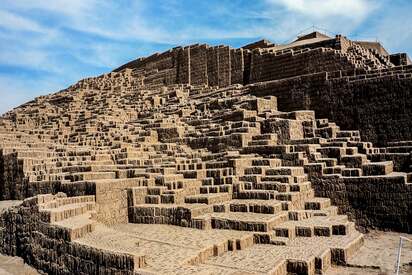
(46, 45)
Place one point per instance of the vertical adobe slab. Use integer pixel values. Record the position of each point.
(198, 65)
(183, 65)
(224, 66)
(247, 58)
(237, 66)
(2, 197)
(255, 67)
(212, 66)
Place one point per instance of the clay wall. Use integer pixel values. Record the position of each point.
(2, 187)
(12, 178)
(379, 104)
(237, 66)
(212, 67)
(198, 65)
(271, 66)
(372, 202)
(183, 67)
(48, 248)
(224, 77)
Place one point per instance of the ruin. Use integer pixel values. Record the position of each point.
(266, 159)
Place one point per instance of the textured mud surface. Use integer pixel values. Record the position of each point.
(378, 256)
(15, 266)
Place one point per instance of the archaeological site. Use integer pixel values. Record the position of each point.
(265, 159)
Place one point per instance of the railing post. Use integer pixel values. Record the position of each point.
(398, 260)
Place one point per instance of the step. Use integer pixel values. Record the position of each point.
(262, 142)
(65, 211)
(208, 198)
(152, 199)
(90, 176)
(351, 172)
(265, 137)
(224, 188)
(322, 226)
(317, 203)
(76, 227)
(330, 162)
(331, 151)
(266, 162)
(247, 221)
(284, 170)
(278, 178)
(255, 206)
(334, 169)
(377, 168)
(256, 170)
(256, 194)
(300, 187)
(346, 248)
(353, 161)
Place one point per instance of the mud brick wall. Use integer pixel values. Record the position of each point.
(8, 231)
(14, 185)
(212, 67)
(165, 60)
(401, 162)
(183, 66)
(198, 65)
(195, 64)
(380, 107)
(247, 60)
(43, 246)
(13, 182)
(111, 201)
(154, 215)
(237, 66)
(2, 187)
(372, 202)
(224, 66)
(285, 129)
(270, 66)
(42, 187)
(400, 59)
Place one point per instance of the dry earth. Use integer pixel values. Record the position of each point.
(378, 256)
(15, 266)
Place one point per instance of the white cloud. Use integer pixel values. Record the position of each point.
(15, 22)
(18, 90)
(66, 7)
(356, 9)
(392, 28)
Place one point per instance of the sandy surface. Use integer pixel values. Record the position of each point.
(378, 256)
(7, 204)
(15, 266)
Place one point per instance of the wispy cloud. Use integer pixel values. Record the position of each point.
(15, 22)
(354, 9)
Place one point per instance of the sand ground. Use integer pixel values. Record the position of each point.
(15, 266)
(376, 257)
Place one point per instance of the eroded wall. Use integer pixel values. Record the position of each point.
(380, 106)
